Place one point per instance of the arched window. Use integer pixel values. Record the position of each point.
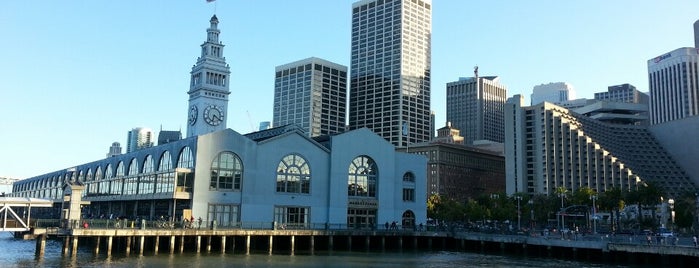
(146, 181)
(408, 220)
(90, 186)
(409, 177)
(226, 172)
(98, 180)
(131, 181)
(118, 180)
(166, 176)
(362, 177)
(293, 175)
(185, 160)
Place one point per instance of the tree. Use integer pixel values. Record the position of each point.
(612, 200)
(685, 208)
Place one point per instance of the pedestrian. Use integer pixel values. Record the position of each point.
(695, 240)
(386, 225)
(199, 225)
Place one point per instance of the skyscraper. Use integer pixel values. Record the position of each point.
(208, 88)
(674, 85)
(475, 106)
(696, 34)
(311, 93)
(139, 138)
(390, 69)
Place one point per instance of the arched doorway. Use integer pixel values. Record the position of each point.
(408, 221)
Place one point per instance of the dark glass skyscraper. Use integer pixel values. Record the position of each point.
(390, 69)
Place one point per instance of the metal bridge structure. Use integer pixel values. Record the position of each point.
(11, 220)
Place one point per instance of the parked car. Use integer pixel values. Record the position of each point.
(664, 232)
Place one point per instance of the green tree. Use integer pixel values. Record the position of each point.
(612, 200)
(685, 208)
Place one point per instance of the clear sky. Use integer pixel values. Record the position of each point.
(78, 75)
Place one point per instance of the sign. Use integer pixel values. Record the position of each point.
(660, 58)
(362, 203)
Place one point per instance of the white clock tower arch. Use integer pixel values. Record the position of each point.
(208, 87)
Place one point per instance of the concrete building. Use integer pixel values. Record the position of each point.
(552, 92)
(208, 87)
(548, 146)
(674, 85)
(311, 93)
(114, 150)
(457, 171)
(696, 34)
(264, 179)
(139, 138)
(623, 93)
(615, 112)
(475, 105)
(391, 69)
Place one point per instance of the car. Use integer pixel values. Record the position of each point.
(663, 232)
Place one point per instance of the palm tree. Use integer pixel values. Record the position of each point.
(612, 200)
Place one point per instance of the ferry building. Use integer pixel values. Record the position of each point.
(269, 178)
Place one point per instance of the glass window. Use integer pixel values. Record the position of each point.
(409, 177)
(293, 175)
(226, 172)
(166, 176)
(225, 215)
(146, 182)
(363, 174)
(291, 217)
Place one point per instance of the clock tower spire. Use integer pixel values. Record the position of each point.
(208, 87)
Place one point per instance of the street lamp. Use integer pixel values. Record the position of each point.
(531, 213)
(594, 214)
(561, 213)
(519, 213)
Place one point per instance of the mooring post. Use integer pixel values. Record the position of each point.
(74, 250)
(157, 242)
(140, 246)
(292, 244)
(128, 245)
(181, 244)
(247, 245)
(271, 244)
(109, 245)
(198, 243)
(172, 244)
(223, 244)
(208, 243)
(66, 245)
(40, 246)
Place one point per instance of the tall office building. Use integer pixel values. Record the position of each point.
(552, 92)
(139, 138)
(390, 69)
(475, 105)
(674, 85)
(311, 93)
(696, 34)
(208, 88)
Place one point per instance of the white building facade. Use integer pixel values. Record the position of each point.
(139, 138)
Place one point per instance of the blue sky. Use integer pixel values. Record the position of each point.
(77, 75)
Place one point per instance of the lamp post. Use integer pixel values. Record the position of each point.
(594, 214)
(531, 213)
(519, 213)
(561, 214)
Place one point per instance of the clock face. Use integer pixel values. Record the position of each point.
(213, 115)
(193, 114)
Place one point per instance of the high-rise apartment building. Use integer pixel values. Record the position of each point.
(139, 138)
(674, 85)
(208, 88)
(623, 93)
(475, 105)
(552, 92)
(390, 69)
(311, 93)
(168, 136)
(548, 146)
(696, 34)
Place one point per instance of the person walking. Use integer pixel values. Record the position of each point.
(695, 240)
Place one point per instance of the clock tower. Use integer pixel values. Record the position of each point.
(208, 87)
